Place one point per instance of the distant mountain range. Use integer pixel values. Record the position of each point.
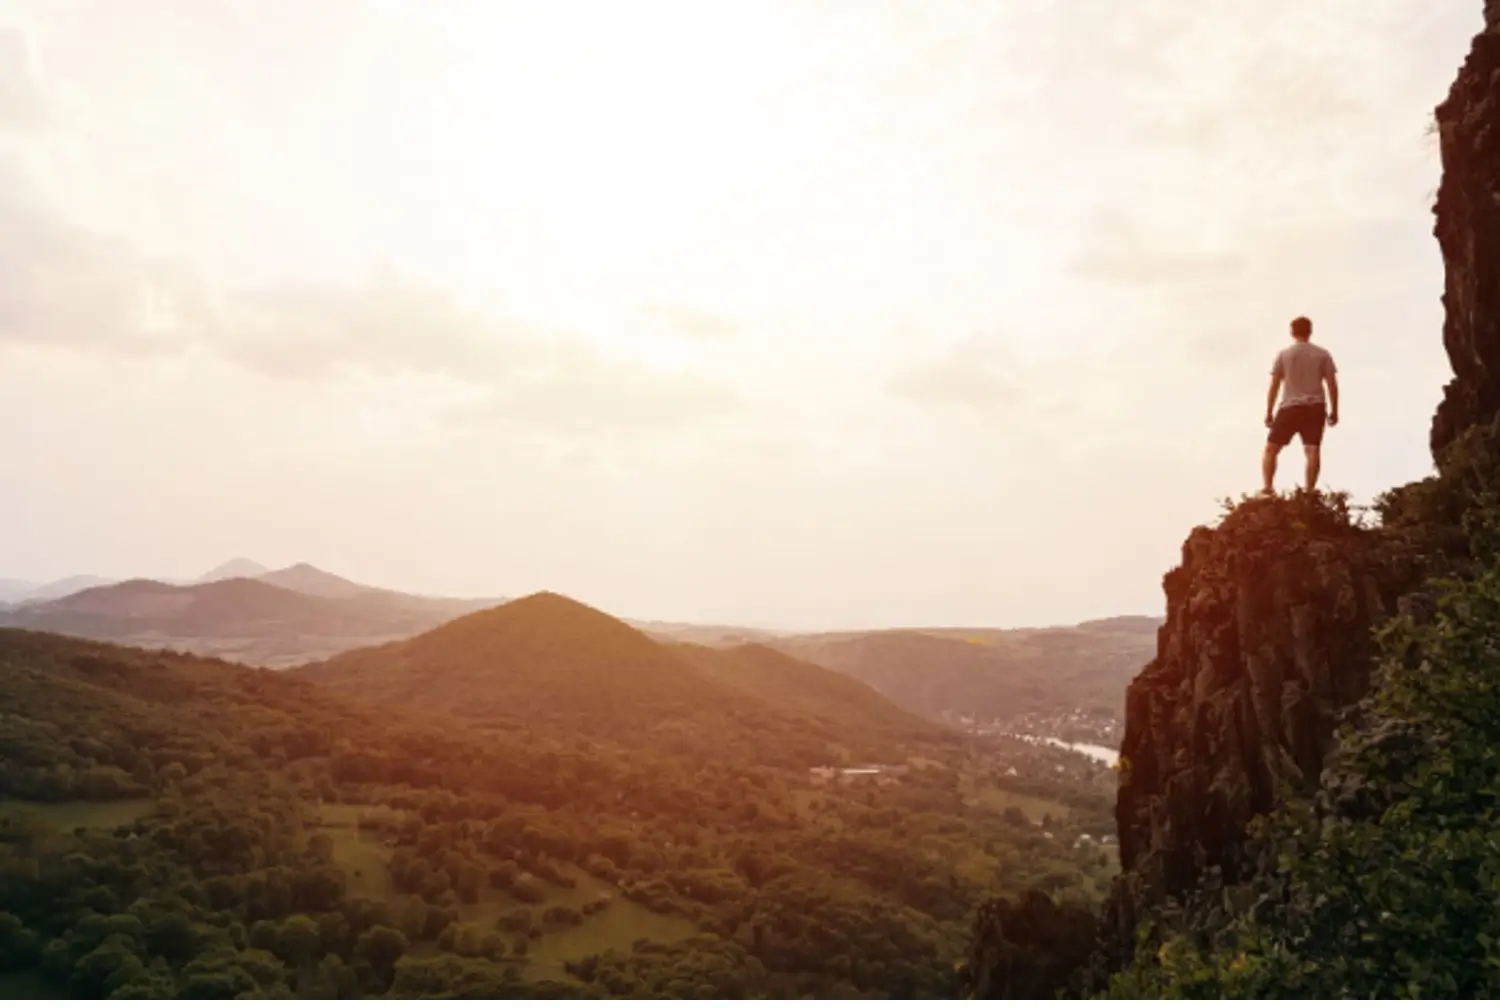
(300, 577)
(245, 612)
(272, 618)
(984, 675)
(14, 592)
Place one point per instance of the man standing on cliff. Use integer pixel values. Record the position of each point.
(1299, 373)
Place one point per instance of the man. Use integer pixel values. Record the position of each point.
(1299, 372)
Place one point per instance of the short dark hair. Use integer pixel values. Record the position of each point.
(1302, 326)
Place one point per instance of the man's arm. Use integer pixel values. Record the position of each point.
(1271, 396)
(1333, 399)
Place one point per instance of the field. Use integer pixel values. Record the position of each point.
(68, 816)
(528, 860)
(617, 927)
(1035, 809)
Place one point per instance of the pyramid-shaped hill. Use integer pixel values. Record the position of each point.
(546, 663)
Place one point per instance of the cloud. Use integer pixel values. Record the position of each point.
(23, 108)
(524, 377)
(576, 393)
(311, 330)
(63, 286)
(693, 322)
(978, 373)
(1116, 248)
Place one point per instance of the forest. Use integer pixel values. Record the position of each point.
(175, 826)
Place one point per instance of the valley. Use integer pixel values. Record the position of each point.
(1066, 682)
(550, 350)
(533, 799)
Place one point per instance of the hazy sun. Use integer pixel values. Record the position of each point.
(615, 134)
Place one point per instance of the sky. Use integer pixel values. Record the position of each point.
(829, 313)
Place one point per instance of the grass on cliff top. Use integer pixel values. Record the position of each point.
(1297, 512)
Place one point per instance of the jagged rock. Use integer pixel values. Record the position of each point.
(1267, 641)
(1468, 233)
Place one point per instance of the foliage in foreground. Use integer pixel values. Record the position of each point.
(228, 886)
(1388, 883)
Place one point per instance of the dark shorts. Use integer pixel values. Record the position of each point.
(1304, 420)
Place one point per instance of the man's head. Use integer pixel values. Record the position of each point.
(1301, 328)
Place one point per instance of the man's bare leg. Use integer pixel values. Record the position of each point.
(1314, 455)
(1268, 468)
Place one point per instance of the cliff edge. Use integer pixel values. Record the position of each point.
(1306, 806)
(1267, 641)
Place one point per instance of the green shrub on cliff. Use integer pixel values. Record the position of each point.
(1454, 514)
(1388, 884)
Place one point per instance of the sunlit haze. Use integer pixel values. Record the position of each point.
(801, 314)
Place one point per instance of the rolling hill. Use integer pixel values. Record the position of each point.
(306, 579)
(15, 590)
(785, 682)
(29, 591)
(252, 833)
(994, 675)
(546, 662)
(240, 618)
(1024, 680)
(710, 634)
(310, 580)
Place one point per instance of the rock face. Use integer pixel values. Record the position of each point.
(1267, 641)
(1269, 617)
(1468, 233)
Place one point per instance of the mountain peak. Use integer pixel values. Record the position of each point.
(538, 617)
(309, 580)
(239, 567)
(543, 659)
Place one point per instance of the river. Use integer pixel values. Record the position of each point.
(1103, 754)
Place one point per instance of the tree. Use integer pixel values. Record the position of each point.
(113, 964)
(298, 942)
(379, 948)
(20, 947)
(172, 936)
(413, 918)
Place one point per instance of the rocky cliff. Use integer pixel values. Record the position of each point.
(1468, 233)
(1268, 636)
(1267, 641)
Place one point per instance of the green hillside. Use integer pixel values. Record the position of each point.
(840, 703)
(174, 826)
(548, 663)
(995, 675)
(1383, 882)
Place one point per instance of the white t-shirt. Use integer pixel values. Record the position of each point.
(1302, 368)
